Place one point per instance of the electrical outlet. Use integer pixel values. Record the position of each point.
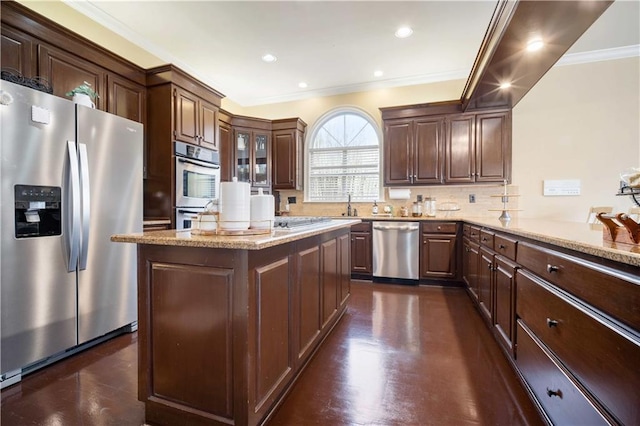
(472, 198)
(292, 200)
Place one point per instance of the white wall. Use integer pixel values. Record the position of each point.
(579, 122)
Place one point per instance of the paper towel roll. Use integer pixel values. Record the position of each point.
(399, 193)
(262, 210)
(235, 207)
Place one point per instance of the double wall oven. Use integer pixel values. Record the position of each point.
(197, 181)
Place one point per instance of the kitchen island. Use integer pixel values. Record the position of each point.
(226, 324)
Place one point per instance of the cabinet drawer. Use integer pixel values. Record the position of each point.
(561, 400)
(466, 230)
(439, 227)
(361, 227)
(474, 233)
(505, 246)
(615, 293)
(603, 358)
(486, 238)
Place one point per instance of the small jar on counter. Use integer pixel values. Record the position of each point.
(416, 209)
(404, 211)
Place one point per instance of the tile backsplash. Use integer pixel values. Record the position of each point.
(486, 198)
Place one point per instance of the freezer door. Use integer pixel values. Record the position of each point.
(38, 294)
(110, 150)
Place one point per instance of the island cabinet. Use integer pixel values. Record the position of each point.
(438, 251)
(288, 153)
(252, 151)
(224, 332)
(361, 251)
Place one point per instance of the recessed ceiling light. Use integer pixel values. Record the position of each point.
(302, 85)
(535, 44)
(505, 85)
(403, 32)
(378, 73)
(269, 58)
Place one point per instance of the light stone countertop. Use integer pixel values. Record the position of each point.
(246, 242)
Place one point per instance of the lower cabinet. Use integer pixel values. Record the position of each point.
(438, 250)
(485, 283)
(470, 260)
(504, 302)
(361, 251)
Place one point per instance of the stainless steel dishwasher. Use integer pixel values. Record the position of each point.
(396, 250)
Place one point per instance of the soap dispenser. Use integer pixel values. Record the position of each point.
(374, 209)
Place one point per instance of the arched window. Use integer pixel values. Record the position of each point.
(343, 157)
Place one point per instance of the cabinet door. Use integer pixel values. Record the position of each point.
(361, 253)
(330, 284)
(242, 155)
(308, 294)
(17, 54)
(459, 150)
(504, 309)
(226, 149)
(344, 271)
(284, 159)
(398, 140)
(208, 122)
(493, 147)
(65, 72)
(186, 116)
(261, 169)
(427, 161)
(485, 283)
(470, 267)
(438, 256)
(126, 99)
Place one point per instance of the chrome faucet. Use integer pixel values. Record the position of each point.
(349, 205)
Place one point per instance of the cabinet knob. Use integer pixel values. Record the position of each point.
(484, 239)
(502, 246)
(552, 268)
(551, 323)
(439, 228)
(551, 393)
(490, 266)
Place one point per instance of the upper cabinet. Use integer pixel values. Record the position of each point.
(252, 151)
(288, 153)
(413, 151)
(438, 144)
(225, 146)
(196, 120)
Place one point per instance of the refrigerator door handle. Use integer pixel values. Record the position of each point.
(74, 182)
(86, 204)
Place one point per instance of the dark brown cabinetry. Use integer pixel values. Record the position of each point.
(438, 251)
(225, 146)
(413, 151)
(179, 108)
(435, 144)
(478, 147)
(17, 52)
(252, 151)
(245, 323)
(196, 120)
(287, 152)
(470, 259)
(126, 98)
(361, 251)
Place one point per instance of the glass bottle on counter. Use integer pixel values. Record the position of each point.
(416, 209)
(374, 209)
(430, 206)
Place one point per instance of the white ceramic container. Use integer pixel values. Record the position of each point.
(235, 205)
(262, 210)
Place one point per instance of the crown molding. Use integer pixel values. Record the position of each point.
(599, 55)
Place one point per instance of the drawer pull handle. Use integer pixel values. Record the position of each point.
(439, 228)
(551, 323)
(484, 239)
(552, 268)
(502, 246)
(557, 393)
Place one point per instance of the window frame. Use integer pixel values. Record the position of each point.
(318, 125)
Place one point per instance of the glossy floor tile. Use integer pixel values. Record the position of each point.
(400, 356)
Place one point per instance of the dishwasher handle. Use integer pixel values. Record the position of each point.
(396, 227)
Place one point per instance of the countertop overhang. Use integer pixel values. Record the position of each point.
(184, 238)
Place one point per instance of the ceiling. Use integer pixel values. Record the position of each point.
(333, 46)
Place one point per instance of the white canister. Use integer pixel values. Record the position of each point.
(235, 205)
(262, 210)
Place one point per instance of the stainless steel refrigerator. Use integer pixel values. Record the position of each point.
(71, 178)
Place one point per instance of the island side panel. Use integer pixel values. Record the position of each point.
(306, 294)
(190, 318)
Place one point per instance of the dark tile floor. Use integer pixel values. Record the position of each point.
(400, 356)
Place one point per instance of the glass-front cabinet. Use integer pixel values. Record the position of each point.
(252, 157)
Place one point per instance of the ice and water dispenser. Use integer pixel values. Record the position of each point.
(38, 211)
